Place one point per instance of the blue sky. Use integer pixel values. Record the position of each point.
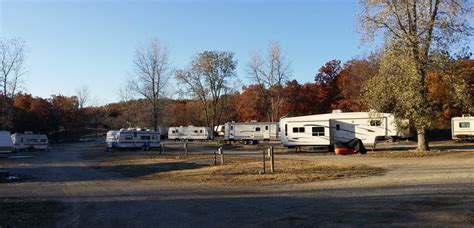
(92, 43)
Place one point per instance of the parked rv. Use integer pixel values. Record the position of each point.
(189, 133)
(6, 144)
(251, 132)
(132, 138)
(328, 129)
(219, 130)
(462, 128)
(30, 141)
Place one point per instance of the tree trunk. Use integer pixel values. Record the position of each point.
(422, 142)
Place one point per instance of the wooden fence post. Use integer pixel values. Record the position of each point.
(263, 157)
(186, 149)
(272, 160)
(221, 152)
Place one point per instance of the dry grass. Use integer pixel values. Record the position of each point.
(249, 171)
(411, 153)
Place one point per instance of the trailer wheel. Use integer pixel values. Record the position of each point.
(331, 148)
(251, 142)
(244, 142)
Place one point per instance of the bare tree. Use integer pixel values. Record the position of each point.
(12, 55)
(270, 73)
(208, 80)
(414, 30)
(152, 70)
(83, 95)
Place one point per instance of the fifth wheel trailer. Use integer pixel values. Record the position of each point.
(6, 144)
(328, 129)
(251, 132)
(462, 128)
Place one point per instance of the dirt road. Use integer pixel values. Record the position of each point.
(433, 191)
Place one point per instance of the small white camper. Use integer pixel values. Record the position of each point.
(132, 138)
(219, 130)
(30, 141)
(189, 133)
(251, 132)
(328, 129)
(462, 128)
(6, 144)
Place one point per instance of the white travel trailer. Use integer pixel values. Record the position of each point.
(6, 144)
(30, 141)
(132, 138)
(462, 128)
(190, 133)
(328, 129)
(251, 132)
(219, 130)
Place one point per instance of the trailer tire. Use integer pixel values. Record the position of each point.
(331, 148)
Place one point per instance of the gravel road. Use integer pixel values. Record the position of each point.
(428, 191)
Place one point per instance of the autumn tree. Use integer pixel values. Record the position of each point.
(412, 29)
(12, 58)
(152, 70)
(327, 78)
(250, 105)
(270, 73)
(353, 75)
(83, 95)
(208, 79)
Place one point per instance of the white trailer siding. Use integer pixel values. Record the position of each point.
(255, 131)
(462, 128)
(30, 141)
(327, 129)
(190, 133)
(133, 138)
(6, 143)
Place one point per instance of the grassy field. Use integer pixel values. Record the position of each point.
(200, 168)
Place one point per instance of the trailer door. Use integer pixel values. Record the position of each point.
(232, 131)
(266, 132)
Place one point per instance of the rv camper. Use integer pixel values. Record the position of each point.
(219, 130)
(132, 138)
(462, 128)
(30, 141)
(331, 128)
(6, 144)
(189, 133)
(251, 132)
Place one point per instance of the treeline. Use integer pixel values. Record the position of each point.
(337, 86)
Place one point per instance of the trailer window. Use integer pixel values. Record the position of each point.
(286, 129)
(43, 140)
(464, 125)
(231, 128)
(145, 137)
(298, 130)
(154, 137)
(338, 127)
(200, 131)
(266, 128)
(257, 129)
(31, 140)
(375, 123)
(173, 131)
(318, 131)
(195, 131)
(128, 137)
